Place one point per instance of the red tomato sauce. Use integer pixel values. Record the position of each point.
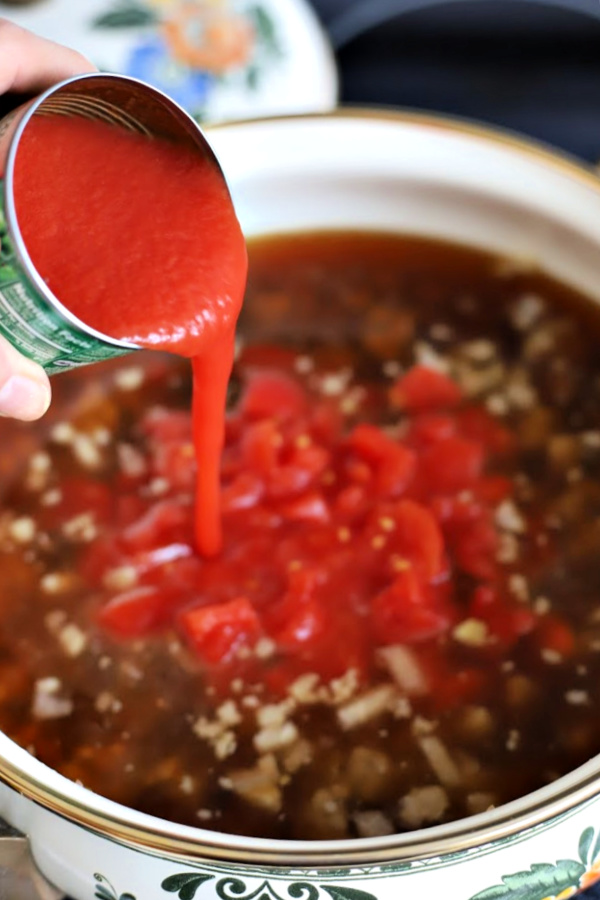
(139, 240)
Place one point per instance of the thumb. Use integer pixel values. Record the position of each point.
(24, 386)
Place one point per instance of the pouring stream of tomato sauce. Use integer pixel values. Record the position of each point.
(138, 238)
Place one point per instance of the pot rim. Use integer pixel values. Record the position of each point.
(141, 831)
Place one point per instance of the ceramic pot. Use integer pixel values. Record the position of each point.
(401, 173)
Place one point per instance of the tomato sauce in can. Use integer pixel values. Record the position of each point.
(37, 321)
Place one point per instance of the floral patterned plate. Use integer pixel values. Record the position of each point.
(220, 59)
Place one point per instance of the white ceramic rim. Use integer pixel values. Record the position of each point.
(40, 784)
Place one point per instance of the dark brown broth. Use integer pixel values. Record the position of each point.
(358, 301)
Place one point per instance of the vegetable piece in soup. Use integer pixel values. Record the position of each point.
(403, 626)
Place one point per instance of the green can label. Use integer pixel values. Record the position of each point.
(32, 325)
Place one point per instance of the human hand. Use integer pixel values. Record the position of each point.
(28, 65)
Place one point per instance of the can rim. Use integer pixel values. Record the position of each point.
(12, 221)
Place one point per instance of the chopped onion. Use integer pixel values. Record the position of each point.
(366, 707)
(440, 760)
(405, 669)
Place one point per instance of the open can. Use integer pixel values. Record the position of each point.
(32, 318)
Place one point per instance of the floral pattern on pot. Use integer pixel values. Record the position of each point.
(186, 884)
(551, 881)
(186, 47)
(543, 881)
(105, 890)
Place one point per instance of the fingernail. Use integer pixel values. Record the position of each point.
(24, 398)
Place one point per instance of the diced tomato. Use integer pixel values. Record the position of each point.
(523, 620)
(346, 644)
(419, 623)
(475, 546)
(454, 688)
(455, 512)
(277, 678)
(506, 620)
(313, 458)
(302, 585)
(129, 507)
(302, 469)
(168, 555)
(404, 613)
(395, 472)
(172, 565)
(394, 462)
(298, 617)
(326, 422)
(303, 625)
(136, 612)
(351, 503)
(287, 481)
(428, 428)
(182, 577)
(261, 445)
(217, 631)
(308, 507)
(261, 518)
(335, 543)
(244, 492)
(370, 442)
(272, 394)
(358, 471)
(512, 623)
(163, 523)
(423, 388)
(553, 633)
(234, 428)
(417, 538)
(451, 465)
(479, 425)
(494, 489)
(484, 598)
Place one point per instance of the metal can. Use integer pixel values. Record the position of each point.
(32, 318)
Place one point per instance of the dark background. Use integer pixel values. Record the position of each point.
(529, 65)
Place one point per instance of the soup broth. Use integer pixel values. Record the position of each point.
(403, 627)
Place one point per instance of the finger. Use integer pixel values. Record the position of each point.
(24, 386)
(29, 63)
